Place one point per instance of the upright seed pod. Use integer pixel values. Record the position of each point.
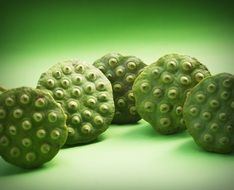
(160, 90)
(122, 71)
(86, 96)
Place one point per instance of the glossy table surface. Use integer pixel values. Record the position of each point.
(34, 36)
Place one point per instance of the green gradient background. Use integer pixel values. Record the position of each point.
(34, 36)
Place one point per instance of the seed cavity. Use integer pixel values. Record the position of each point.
(26, 125)
(193, 111)
(187, 66)
(171, 65)
(30, 157)
(104, 108)
(211, 88)
(197, 126)
(214, 127)
(164, 108)
(100, 86)
(165, 122)
(206, 115)
(50, 83)
(67, 70)
(102, 97)
(225, 95)
(223, 116)
(145, 87)
(2, 113)
(15, 152)
(91, 76)
(41, 133)
(79, 68)
(179, 110)
(120, 71)
(185, 80)
(121, 102)
(117, 87)
(91, 102)
(87, 114)
(149, 106)
(156, 73)
(12, 130)
(24, 99)
(72, 105)
(131, 65)
(4, 141)
(26, 142)
(77, 79)
(133, 110)
(76, 92)
(89, 88)
(224, 140)
(17, 113)
(98, 120)
(214, 103)
(200, 98)
(157, 92)
(130, 78)
(65, 83)
(45, 148)
(167, 78)
(37, 117)
(227, 83)
(172, 93)
(55, 134)
(86, 128)
(40, 103)
(75, 119)
(52, 117)
(57, 74)
(71, 131)
(59, 94)
(131, 96)
(199, 76)
(9, 101)
(208, 138)
(113, 62)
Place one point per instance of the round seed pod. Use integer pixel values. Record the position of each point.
(214, 115)
(164, 85)
(122, 72)
(84, 93)
(25, 127)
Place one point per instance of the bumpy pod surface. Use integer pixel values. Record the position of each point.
(122, 71)
(32, 127)
(86, 96)
(160, 90)
(209, 113)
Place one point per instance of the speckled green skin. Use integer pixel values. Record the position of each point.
(122, 71)
(160, 90)
(32, 127)
(209, 113)
(85, 95)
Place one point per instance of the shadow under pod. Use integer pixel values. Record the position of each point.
(145, 130)
(10, 170)
(189, 147)
(97, 140)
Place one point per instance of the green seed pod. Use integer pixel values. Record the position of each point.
(161, 88)
(122, 72)
(24, 126)
(82, 90)
(215, 114)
